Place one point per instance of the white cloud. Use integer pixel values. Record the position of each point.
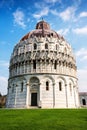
(52, 1)
(63, 31)
(85, 57)
(54, 12)
(19, 18)
(83, 14)
(43, 12)
(82, 31)
(77, 3)
(8, 4)
(82, 80)
(3, 85)
(28, 20)
(39, 5)
(4, 63)
(82, 54)
(68, 14)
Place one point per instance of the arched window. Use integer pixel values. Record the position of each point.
(55, 64)
(47, 85)
(22, 87)
(60, 86)
(83, 101)
(35, 46)
(34, 64)
(56, 47)
(46, 46)
(51, 34)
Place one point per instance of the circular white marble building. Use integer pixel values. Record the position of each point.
(42, 71)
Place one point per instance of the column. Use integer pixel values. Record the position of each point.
(16, 95)
(66, 95)
(40, 65)
(24, 67)
(27, 96)
(74, 95)
(40, 94)
(53, 95)
(77, 97)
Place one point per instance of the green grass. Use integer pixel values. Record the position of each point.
(43, 119)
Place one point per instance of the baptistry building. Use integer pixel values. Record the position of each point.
(42, 71)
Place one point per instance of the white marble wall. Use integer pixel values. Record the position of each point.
(52, 98)
(21, 71)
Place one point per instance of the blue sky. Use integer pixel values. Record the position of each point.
(67, 17)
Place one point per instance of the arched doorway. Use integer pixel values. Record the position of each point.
(83, 102)
(34, 91)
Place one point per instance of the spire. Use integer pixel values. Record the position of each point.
(42, 19)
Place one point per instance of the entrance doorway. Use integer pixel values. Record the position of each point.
(83, 101)
(33, 99)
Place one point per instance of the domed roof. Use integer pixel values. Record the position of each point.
(42, 25)
(42, 30)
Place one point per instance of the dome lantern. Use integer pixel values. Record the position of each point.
(42, 25)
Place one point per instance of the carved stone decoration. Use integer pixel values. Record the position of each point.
(45, 61)
(34, 80)
(34, 87)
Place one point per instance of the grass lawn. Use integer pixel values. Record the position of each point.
(43, 119)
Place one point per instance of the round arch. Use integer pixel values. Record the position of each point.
(71, 80)
(33, 80)
(49, 77)
(34, 90)
(60, 77)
